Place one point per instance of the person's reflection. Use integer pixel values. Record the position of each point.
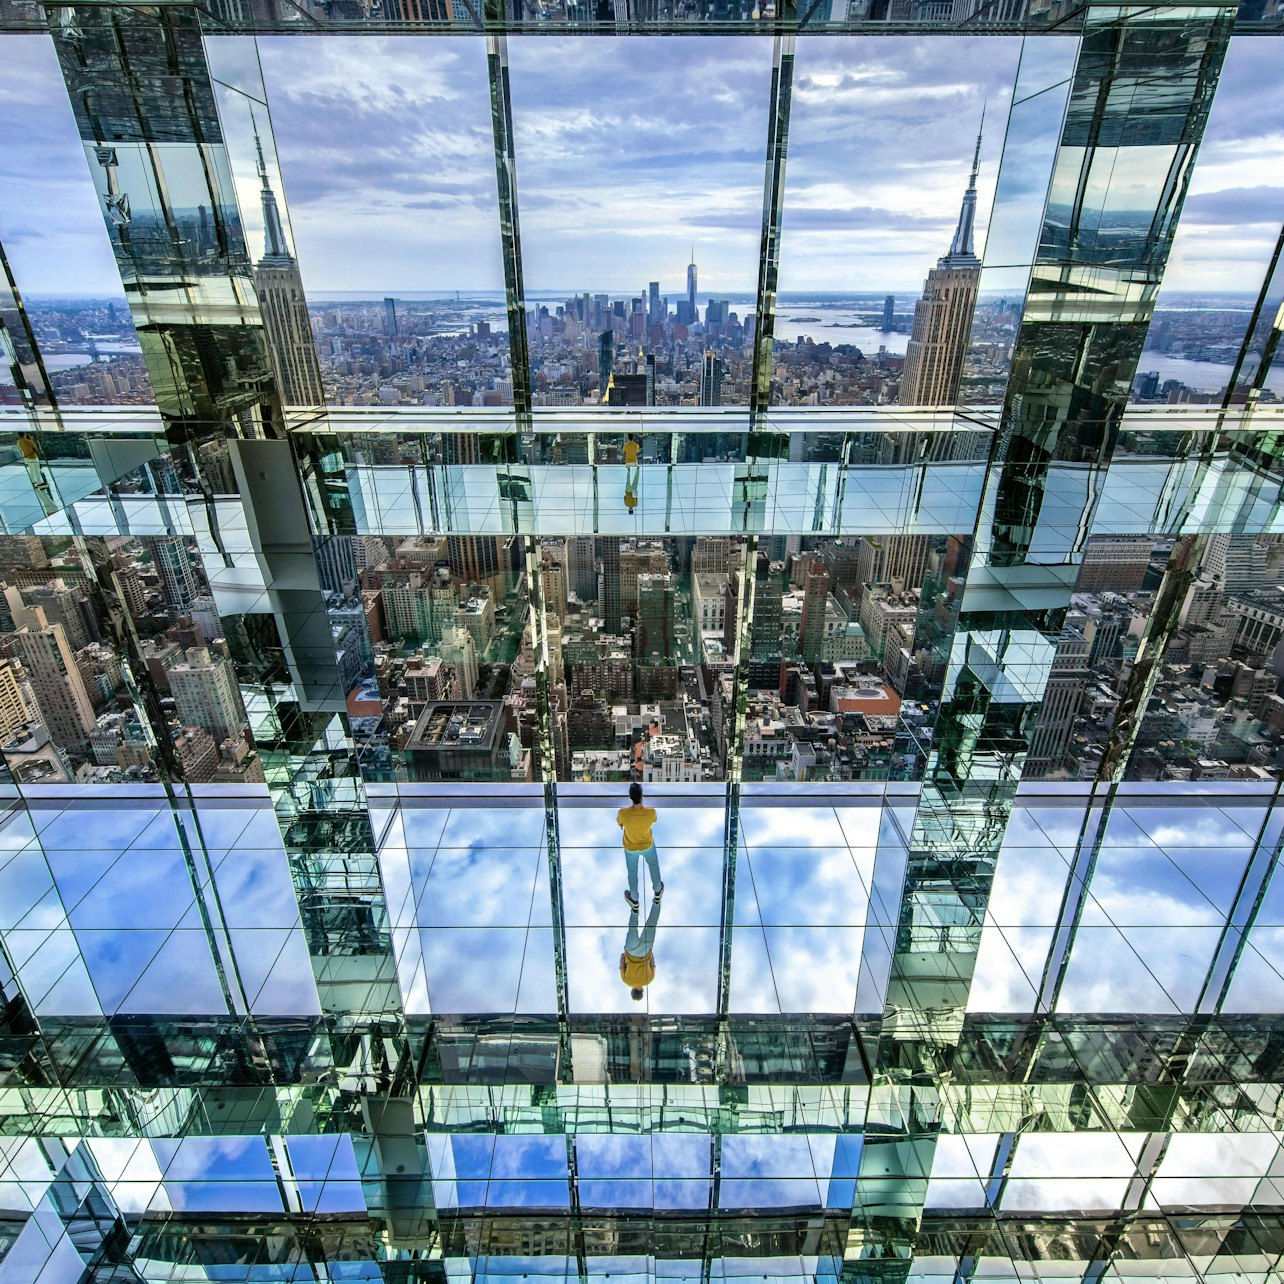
(640, 748)
(632, 450)
(637, 962)
(29, 448)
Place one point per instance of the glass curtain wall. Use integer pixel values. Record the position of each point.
(425, 424)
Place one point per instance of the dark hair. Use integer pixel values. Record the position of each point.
(636, 995)
(635, 792)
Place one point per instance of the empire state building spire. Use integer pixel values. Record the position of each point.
(283, 306)
(943, 314)
(276, 251)
(961, 252)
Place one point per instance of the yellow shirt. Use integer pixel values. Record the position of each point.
(631, 452)
(635, 973)
(636, 823)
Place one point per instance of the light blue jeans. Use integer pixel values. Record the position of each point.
(640, 944)
(652, 868)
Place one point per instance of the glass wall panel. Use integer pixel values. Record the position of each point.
(1025, 901)
(52, 230)
(118, 910)
(435, 654)
(643, 637)
(1103, 631)
(803, 880)
(1229, 228)
(468, 905)
(1157, 904)
(879, 152)
(641, 205)
(847, 652)
(73, 706)
(123, 669)
(1126, 909)
(1034, 120)
(388, 163)
(1214, 712)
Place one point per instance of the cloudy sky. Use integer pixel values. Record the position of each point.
(1233, 212)
(50, 223)
(629, 157)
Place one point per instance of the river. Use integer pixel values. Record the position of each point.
(1203, 376)
(66, 360)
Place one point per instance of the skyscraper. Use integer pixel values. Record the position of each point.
(554, 577)
(609, 583)
(460, 650)
(766, 626)
(889, 312)
(67, 605)
(279, 285)
(479, 559)
(66, 711)
(655, 314)
(811, 632)
(173, 564)
(653, 632)
(581, 567)
(895, 557)
(711, 380)
(691, 288)
(408, 606)
(335, 564)
(390, 317)
(605, 362)
(13, 708)
(421, 11)
(636, 560)
(205, 690)
(943, 315)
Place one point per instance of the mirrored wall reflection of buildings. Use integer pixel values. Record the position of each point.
(420, 624)
(1217, 710)
(91, 353)
(433, 636)
(844, 666)
(80, 702)
(1214, 710)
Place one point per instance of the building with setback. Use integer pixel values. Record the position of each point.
(279, 286)
(943, 314)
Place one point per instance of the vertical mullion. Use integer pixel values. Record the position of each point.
(501, 115)
(18, 347)
(773, 201)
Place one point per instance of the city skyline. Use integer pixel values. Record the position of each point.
(941, 625)
(893, 227)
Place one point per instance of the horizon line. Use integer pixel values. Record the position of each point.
(378, 293)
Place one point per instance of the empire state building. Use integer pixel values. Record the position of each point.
(943, 315)
(279, 286)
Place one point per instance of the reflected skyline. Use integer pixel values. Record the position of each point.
(961, 954)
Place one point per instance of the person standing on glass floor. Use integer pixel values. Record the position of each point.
(636, 821)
